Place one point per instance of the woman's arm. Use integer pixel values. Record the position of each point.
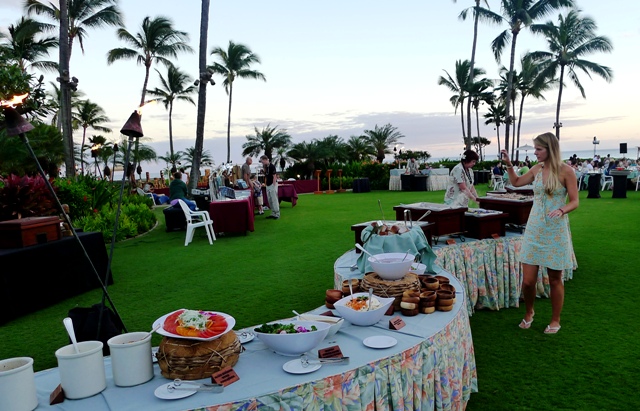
(469, 192)
(571, 183)
(514, 178)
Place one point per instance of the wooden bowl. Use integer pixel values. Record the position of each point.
(442, 294)
(430, 283)
(427, 310)
(448, 287)
(445, 307)
(428, 296)
(442, 279)
(334, 294)
(410, 313)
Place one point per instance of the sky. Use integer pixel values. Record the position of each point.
(339, 67)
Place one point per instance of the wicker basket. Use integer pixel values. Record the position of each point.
(390, 288)
(195, 359)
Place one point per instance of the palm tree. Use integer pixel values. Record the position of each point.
(173, 159)
(568, 42)
(478, 94)
(54, 103)
(307, 153)
(97, 145)
(190, 153)
(358, 149)
(503, 88)
(203, 80)
(89, 114)
(177, 86)
(460, 86)
(495, 115)
(335, 150)
(479, 13)
(235, 62)
(78, 15)
(267, 140)
(519, 14)
(381, 138)
(23, 47)
(155, 42)
(531, 82)
(282, 157)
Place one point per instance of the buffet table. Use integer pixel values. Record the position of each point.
(301, 186)
(286, 192)
(232, 216)
(447, 220)
(438, 179)
(432, 366)
(49, 273)
(518, 210)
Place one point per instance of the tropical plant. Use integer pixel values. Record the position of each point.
(46, 142)
(381, 138)
(203, 80)
(24, 196)
(268, 139)
(335, 150)
(519, 14)
(173, 159)
(157, 41)
(78, 15)
(190, 153)
(25, 45)
(478, 94)
(495, 115)
(307, 153)
(359, 149)
(89, 115)
(176, 86)
(479, 13)
(53, 103)
(235, 62)
(573, 38)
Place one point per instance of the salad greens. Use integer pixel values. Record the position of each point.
(278, 328)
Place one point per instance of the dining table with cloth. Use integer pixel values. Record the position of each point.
(432, 366)
(438, 179)
(232, 215)
(286, 192)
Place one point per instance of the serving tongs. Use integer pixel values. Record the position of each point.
(194, 386)
(305, 361)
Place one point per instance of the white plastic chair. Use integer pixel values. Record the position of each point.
(197, 219)
(498, 182)
(143, 193)
(637, 182)
(607, 182)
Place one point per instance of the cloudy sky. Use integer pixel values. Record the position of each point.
(340, 67)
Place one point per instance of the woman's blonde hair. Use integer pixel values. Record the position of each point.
(553, 162)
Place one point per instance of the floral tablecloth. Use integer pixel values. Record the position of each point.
(491, 275)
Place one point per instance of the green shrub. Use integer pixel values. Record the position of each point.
(25, 197)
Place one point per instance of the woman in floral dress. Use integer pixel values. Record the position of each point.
(547, 238)
(460, 189)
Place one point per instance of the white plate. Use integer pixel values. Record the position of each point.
(420, 268)
(231, 322)
(380, 341)
(245, 336)
(163, 393)
(295, 367)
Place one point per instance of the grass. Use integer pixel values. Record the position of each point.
(287, 265)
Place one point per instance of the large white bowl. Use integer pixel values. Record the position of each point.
(298, 343)
(391, 266)
(362, 317)
(334, 322)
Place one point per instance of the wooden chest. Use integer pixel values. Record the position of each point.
(447, 220)
(485, 226)
(29, 231)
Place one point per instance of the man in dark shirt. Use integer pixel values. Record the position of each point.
(271, 181)
(497, 170)
(178, 190)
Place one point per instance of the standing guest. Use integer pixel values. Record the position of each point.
(271, 181)
(185, 176)
(256, 188)
(547, 239)
(460, 189)
(527, 162)
(178, 191)
(226, 179)
(246, 171)
(412, 167)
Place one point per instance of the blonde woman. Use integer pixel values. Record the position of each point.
(547, 238)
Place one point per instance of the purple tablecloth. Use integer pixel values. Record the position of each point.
(286, 192)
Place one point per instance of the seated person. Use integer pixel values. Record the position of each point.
(178, 191)
(158, 199)
(523, 169)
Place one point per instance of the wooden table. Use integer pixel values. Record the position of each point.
(357, 228)
(518, 210)
(481, 226)
(446, 220)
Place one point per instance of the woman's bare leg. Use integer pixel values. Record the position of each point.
(557, 296)
(529, 282)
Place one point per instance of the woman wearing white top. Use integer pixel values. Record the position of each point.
(461, 189)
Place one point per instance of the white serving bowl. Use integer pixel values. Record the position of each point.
(334, 322)
(391, 266)
(363, 317)
(298, 343)
(418, 268)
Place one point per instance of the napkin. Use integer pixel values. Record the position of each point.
(413, 240)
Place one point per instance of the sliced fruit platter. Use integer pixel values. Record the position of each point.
(194, 324)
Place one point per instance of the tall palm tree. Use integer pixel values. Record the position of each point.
(568, 42)
(190, 153)
(156, 41)
(478, 93)
(519, 14)
(235, 62)
(25, 45)
(307, 153)
(359, 149)
(176, 86)
(495, 115)
(479, 13)
(460, 86)
(203, 80)
(173, 159)
(503, 88)
(531, 82)
(89, 115)
(55, 96)
(335, 149)
(79, 16)
(381, 138)
(96, 145)
(268, 139)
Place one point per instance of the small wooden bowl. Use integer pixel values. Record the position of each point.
(428, 296)
(445, 307)
(430, 283)
(410, 313)
(329, 305)
(411, 294)
(448, 287)
(427, 310)
(442, 279)
(428, 303)
(331, 294)
(442, 294)
(355, 284)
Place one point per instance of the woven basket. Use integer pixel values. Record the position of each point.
(390, 288)
(195, 359)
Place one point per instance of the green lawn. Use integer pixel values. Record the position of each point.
(285, 265)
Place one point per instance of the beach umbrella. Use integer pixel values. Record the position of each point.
(526, 147)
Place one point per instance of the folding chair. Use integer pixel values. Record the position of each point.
(197, 219)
